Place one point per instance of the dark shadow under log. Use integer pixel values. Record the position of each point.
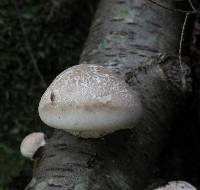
(138, 41)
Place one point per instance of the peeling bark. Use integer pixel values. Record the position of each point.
(138, 41)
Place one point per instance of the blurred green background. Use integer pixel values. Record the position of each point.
(38, 39)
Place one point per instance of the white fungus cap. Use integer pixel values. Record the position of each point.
(31, 143)
(89, 101)
(177, 185)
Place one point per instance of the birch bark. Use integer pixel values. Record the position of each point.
(139, 41)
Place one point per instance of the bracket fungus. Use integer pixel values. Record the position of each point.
(177, 185)
(31, 144)
(89, 101)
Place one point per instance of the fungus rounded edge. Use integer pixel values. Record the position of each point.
(31, 144)
(177, 185)
(89, 101)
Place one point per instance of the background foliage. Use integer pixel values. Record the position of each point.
(38, 39)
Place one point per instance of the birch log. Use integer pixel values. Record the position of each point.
(138, 41)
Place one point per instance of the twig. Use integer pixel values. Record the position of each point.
(28, 46)
(181, 39)
(192, 6)
(174, 10)
(180, 49)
